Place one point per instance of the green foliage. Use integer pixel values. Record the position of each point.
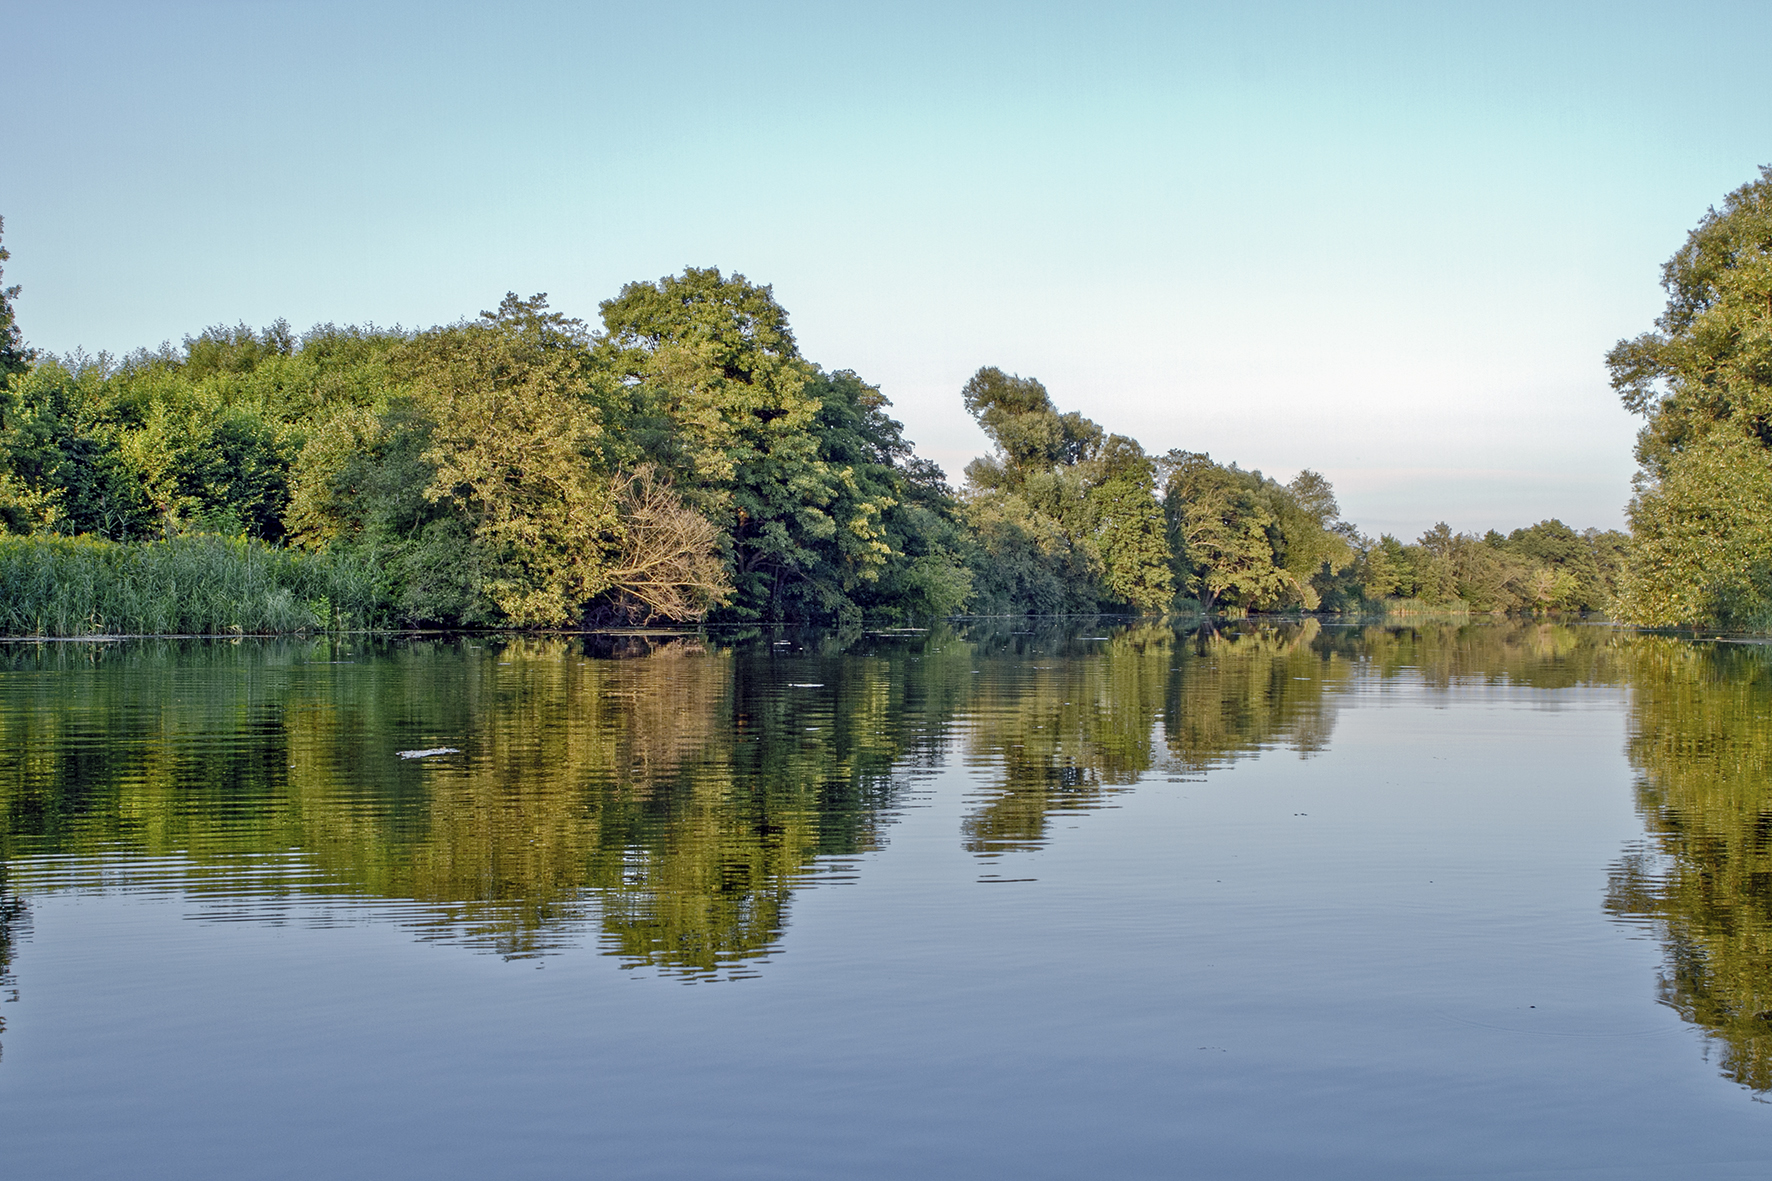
(63, 451)
(823, 512)
(1065, 515)
(1547, 567)
(1703, 382)
(685, 461)
(1702, 538)
(516, 445)
(1241, 540)
(15, 358)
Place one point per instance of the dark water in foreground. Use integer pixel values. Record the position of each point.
(1112, 902)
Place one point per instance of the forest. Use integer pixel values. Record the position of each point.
(679, 460)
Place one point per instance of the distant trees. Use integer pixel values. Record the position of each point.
(1544, 567)
(1701, 549)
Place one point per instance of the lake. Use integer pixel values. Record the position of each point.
(1017, 899)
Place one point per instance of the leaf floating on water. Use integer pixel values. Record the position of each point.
(425, 754)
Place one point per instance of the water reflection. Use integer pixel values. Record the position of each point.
(662, 795)
(1701, 743)
(665, 797)
(671, 799)
(14, 922)
(1066, 720)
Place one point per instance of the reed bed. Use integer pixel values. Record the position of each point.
(195, 584)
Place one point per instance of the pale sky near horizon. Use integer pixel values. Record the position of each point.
(1388, 242)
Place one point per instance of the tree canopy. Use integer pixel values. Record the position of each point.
(1701, 550)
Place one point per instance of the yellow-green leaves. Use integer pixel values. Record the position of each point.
(1701, 549)
(516, 449)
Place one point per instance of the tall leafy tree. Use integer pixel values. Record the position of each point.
(1218, 530)
(1061, 506)
(1125, 523)
(713, 389)
(1240, 539)
(1702, 380)
(64, 453)
(15, 358)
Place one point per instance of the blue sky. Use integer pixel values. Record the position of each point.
(1389, 242)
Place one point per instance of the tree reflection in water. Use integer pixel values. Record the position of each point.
(1701, 743)
(665, 791)
(1066, 720)
(665, 796)
(14, 922)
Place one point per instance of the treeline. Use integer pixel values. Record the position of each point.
(682, 460)
(518, 469)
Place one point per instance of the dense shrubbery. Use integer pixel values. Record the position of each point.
(681, 461)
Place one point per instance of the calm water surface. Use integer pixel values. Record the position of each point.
(1011, 901)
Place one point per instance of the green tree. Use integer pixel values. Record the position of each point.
(64, 451)
(1701, 549)
(1241, 540)
(904, 555)
(1310, 544)
(1703, 382)
(1123, 520)
(15, 357)
(518, 448)
(1218, 531)
(1066, 514)
(717, 394)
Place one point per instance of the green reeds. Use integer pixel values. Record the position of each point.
(196, 584)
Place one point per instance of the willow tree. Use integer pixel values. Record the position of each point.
(1701, 549)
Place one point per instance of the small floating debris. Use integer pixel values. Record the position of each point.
(425, 754)
(805, 684)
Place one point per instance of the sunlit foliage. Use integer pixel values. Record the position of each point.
(1703, 381)
(1065, 514)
